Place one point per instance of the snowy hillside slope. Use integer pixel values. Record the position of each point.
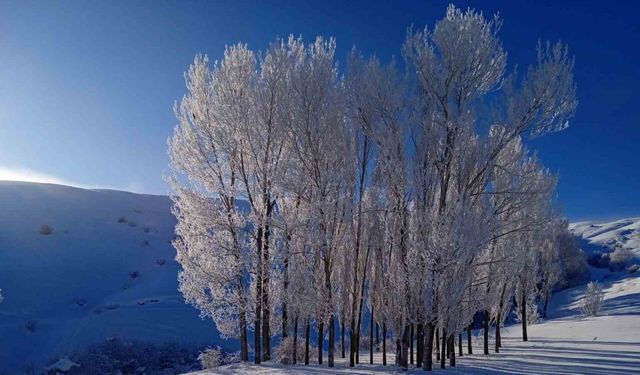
(567, 343)
(107, 269)
(598, 236)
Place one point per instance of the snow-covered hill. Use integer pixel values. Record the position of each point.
(106, 269)
(607, 236)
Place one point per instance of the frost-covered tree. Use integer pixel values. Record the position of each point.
(410, 195)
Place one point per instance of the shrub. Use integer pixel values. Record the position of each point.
(532, 313)
(620, 258)
(161, 262)
(46, 230)
(210, 358)
(284, 351)
(593, 298)
(132, 224)
(31, 325)
(122, 219)
(134, 274)
(114, 356)
(632, 269)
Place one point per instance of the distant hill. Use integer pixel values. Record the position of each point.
(607, 236)
(78, 266)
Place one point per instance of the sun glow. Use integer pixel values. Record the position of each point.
(26, 175)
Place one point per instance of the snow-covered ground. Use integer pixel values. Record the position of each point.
(596, 235)
(566, 343)
(92, 278)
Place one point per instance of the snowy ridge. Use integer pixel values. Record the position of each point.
(106, 270)
(607, 236)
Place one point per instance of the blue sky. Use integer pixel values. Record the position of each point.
(87, 87)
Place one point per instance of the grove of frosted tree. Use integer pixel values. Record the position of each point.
(387, 198)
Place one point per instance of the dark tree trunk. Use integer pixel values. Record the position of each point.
(257, 321)
(244, 344)
(320, 341)
(371, 338)
(419, 344)
(460, 344)
(546, 305)
(469, 347)
(398, 353)
(452, 351)
(342, 339)
(411, 345)
(285, 287)
(498, 333)
(266, 329)
(377, 337)
(332, 339)
(524, 317)
(384, 343)
(307, 330)
(437, 344)
(295, 340)
(444, 345)
(406, 336)
(428, 356)
(485, 323)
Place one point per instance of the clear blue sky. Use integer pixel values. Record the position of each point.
(87, 87)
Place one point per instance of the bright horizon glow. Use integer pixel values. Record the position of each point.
(28, 175)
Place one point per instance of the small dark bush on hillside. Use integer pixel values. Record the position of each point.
(146, 230)
(31, 325)
(122, 219)
(161, 262)
(115, 356)
(145, 243)
(138, 211)
(134, 274)
(46, 230)
(132, 224)
(599, 260)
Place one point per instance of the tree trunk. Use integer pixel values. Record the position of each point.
(406, 337)
(546, 305)
(428, 356)
(419, 344)
(437, 344)
(452, 351)
(377, 337)
(307, 330)
(266, 328)
(444, 345)
(498, 333)
(485, 323)
(320, 341)
(295, 340)
(460, 344)
(285, 287)
(332, 339)
(371, 338)
(244, 344)
(257, 321)
(353, 336)
(524, 316)
(411, 345)
(342, 339)
(469, 347)
(384, 343)
(398, 353)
